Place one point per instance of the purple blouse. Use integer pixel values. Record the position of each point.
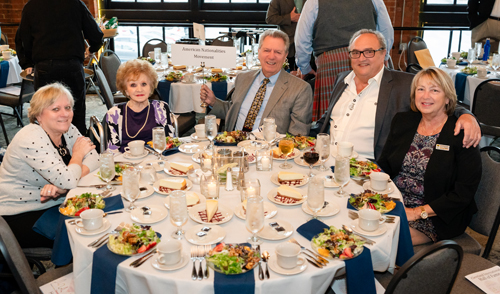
(134, 122)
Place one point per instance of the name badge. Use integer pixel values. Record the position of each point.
(442, 147)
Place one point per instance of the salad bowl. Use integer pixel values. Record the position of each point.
(125, 242)
(219, 259)
(323, 243)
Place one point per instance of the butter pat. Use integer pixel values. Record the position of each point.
(181, 166)
(212, 206)
(289, 192)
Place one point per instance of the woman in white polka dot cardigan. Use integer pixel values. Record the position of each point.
(44, 160)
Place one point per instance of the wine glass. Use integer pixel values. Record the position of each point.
(311, 156)
(159, 140)
(255, 218)
(107, 169)
(286, 146)
(211, 128)
(316, 195)
(477, 49)
(323, 148)
(341, 173)
(131, 186)
(269, 130)
(471, 56)
(178, 212)
(495, 62)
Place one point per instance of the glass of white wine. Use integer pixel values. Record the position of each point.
(341, 173)
(130, 184)
(159, 140)
(316, 195)
(178, 212)
(107, 169)
(255, 218)
(286, 146)
(323, 148)
(211, 128)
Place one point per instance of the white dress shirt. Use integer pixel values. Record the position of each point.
(247, 103)
(353, 116)
(495, 12)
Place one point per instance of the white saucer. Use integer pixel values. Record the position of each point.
(180, 264)
(482, 78)
(304, 181)
(214, 236)
(273, 265)
(380, 231)
(389, 189)
(331, 209)
(156, 166)
(105, 226)
(195, 137)
(270, 210)
(274, 191)
(130, 156)
(158, 213)
(167, 169)
(156, 186)
(269, 233)
(354, 154)
(146, 193)
(226, 214)
(202, 199)
(300, 161)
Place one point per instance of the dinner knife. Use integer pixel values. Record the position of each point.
(139, 261)
(313, 263)
(261, 272)
(145, 259)
(99, 186)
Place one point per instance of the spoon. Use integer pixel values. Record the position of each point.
(265, 256)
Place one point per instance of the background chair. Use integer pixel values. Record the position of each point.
(16, 102)
(470, 264)
(223, 41)
(415, 44)
(486, 106)
(109, 65)
(104, 88)
(4, 40)
(152, 44)
(96, 134)
(4, 130)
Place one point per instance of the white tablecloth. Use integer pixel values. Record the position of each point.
(147, 279)
(186, 97)
(14, 71)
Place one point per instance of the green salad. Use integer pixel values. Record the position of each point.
(362, 168)
(233, 259)
(338, 243)
(133, 239)
(75, 205)
(369, 199)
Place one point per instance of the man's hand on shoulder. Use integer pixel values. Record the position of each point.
(294, 16)
(472, 131)
(207, 95)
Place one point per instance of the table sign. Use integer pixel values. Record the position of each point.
(199, 31)
(424, 58)
(213, 56)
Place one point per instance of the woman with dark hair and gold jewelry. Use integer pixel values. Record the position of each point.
(135, 119)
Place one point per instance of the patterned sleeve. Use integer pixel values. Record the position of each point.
(162, 116)
(114, 121)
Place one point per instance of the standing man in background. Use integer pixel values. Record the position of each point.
(484, 17)
(50, 38)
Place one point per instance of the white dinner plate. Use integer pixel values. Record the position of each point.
(146, 193)
(304, 181)
(382, 228)
(195, 137)
(202, 199)
(158, 213)
(482, 78)
(334, 151)
(389, 190)
(300, 161)
(156, 164)
(128, 155)
(252, 144)
(214, 236)
(156, 187)
(272, 197)
(198, 213)
(163, 267)
(451, 67)
(331, 209)
(269, 233)
(296, 153)
(273, 265)
(196, 157)
(270, 210)
(105, 226)
(178, 174)
(190, 148)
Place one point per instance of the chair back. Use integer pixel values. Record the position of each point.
(27, 91)
(4, 40)
(175, 123)
(486, 106)
(431, 270)
(150, 47)
(104, 87)
(415, 44)
(109, 65)
(223, 41)
(96, 134)
(16, 260)
(390, 64)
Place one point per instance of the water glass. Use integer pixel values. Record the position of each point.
(341, 174)
(323, 148)
(107, 169)
(178, 212)
(269, 130)
(255, 218)
(148, 175)
(211, 128)
(316, 195)
(471, 56)
(157, 55)
(159, 140)
(130, 184)
(249, 59)
(477, 49)
(495, 62)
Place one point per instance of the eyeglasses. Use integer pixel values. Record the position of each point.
(354, 54)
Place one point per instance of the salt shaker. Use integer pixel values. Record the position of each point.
(229, 180)
(241, 179)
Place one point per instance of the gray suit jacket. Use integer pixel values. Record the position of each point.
(290, 103)
(393, 97)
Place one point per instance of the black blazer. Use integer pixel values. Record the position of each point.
(479, 11)
(451, 178)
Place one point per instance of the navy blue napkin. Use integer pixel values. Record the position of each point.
(357, 269)
(4, 73)
(220, 90)
(164, 89)
(460, 80)
(242, 284)
(166, 152)
(459, 63)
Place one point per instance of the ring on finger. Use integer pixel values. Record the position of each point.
(48, 191)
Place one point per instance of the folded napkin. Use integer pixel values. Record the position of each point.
(460, 81)
(4, 73)
(458, 63)
(359, 270)
(164, 90)
(166, 152)
(241, 284)
(52, 225)
(220, 90)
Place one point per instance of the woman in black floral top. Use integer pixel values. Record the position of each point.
(436, 175)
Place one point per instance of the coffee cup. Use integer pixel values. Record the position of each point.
(288, 255)
(379, 181)
(6, 54)
(136, 148)
(200, 130)
(481, 72)
(4, 47)
(456, 55)
(345, 149)
(189, 78)
(451, 63)
(370, 219)
(91, 219)
(169, 252)
(151, 54)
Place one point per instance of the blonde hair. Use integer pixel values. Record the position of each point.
(46, 96)
(442, 80)
(275, 34)
(131, 70)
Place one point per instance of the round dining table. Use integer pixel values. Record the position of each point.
(147, 279)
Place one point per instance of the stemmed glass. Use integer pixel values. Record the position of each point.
(323, 148)
(477, 49)
(286, 146)
(178, 212)
(131, 186)
(311, 156)
(159, 140)
(211, 128)
(495, 62)
(316, 195)
(107, 169)
(255, 218)
(471, 56)
(269, 129)
(341, 174)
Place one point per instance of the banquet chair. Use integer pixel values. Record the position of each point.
(4, 130)
(486, 106)
(17, 101)
(150, 47)
(415, 44)
(103, 84)
(470, 264)
(109, 64)
(96, 134)
(4, 40)
(19, 266)
(223, 41)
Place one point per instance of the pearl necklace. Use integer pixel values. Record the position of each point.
(126, 125)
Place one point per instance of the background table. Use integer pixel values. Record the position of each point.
(14, 71)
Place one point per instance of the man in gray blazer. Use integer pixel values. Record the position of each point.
(285, 98)
(365, 100)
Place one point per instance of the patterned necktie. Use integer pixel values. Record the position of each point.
(254, 109)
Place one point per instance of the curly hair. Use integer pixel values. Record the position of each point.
(46, 96)
(131, 70)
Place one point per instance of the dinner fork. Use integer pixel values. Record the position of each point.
(388, 219)
(201, 256)
(207, 250)
(194, 275)
(97, 243)
(318, 258)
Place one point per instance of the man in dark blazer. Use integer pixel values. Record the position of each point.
(484, 17)
(288, 99)
(393, 89)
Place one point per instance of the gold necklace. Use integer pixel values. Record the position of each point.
(126, 127)
(433, 130)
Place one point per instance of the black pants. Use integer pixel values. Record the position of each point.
(22, 227)
(69, 73)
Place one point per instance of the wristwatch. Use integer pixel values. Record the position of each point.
(423, 214)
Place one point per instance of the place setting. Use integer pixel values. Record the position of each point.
(169, 256)
(135, 150)
(379, 182)
(287, 260)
